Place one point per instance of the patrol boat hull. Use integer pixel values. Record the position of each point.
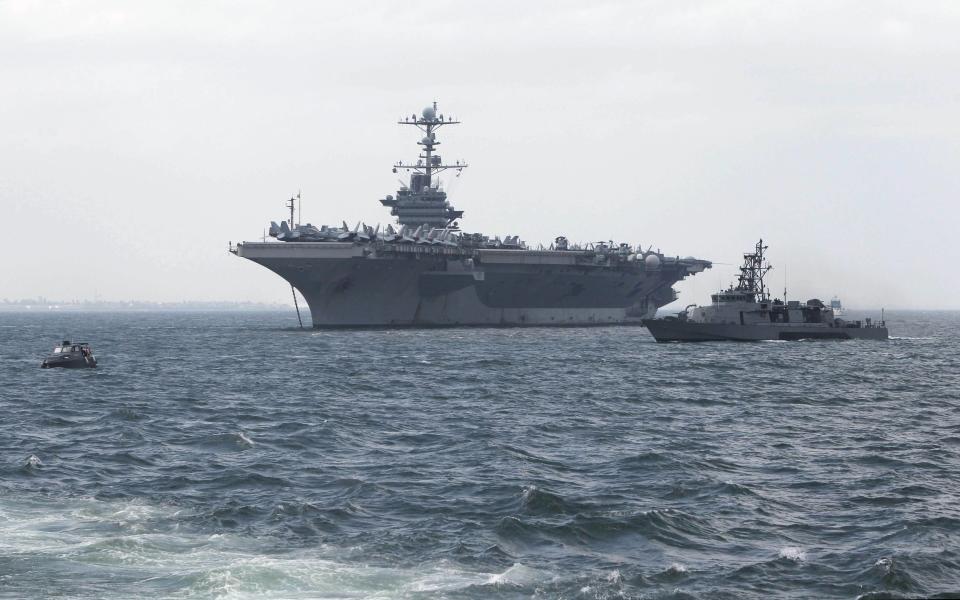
(675, 330)
(746, 313)
(364, 285)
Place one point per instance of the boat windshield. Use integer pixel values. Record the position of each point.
(57, 350)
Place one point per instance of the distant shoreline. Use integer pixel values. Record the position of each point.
(138, 306)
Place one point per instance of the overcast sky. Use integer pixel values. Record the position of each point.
(138, 138)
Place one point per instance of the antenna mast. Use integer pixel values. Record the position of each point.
(429, 164)
(291, 203)
(754, 268)
(423, 202)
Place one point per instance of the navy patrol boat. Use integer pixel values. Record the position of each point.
(68, 355)
(747, 313)
(425, 271)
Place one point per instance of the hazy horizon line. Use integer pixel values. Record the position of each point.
(46, 305)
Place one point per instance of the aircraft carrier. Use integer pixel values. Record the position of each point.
(428, 272)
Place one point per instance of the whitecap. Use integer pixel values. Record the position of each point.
(527, 492)
(244, 441)
(793, 553)
(677, 568)
(444, 578)
(884, 563)
(518, 575)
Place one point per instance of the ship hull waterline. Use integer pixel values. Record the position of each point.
(347, 288)
(672, 330)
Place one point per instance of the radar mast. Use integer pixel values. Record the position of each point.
(428, 122)
(423, 202)
(754, 268)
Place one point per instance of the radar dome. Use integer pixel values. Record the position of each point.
(652, 261)
(429, 113)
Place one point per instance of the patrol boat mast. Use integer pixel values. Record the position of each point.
(752, 272)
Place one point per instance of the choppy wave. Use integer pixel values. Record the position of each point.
(143, 550)
(541, 464)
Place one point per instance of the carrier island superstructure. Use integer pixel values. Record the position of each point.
(424, 270)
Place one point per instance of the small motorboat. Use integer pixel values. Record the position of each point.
(68, 355)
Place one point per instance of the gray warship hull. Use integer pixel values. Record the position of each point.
(430, 273)
(675, 330)
(747, 313)
(384, 285)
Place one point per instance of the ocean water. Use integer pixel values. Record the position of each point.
(231, 455)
